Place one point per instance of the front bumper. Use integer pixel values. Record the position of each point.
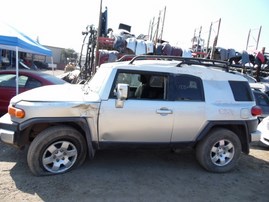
(8, 130)
(265, 139)
(7, 136)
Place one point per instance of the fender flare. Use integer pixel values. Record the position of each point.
(244, 135)
(80, 121)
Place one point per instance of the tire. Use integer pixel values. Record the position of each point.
(219, 151)
(56, 150)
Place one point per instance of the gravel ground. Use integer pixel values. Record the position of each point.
(137, 176)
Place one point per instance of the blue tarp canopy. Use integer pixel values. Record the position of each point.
(12, 39)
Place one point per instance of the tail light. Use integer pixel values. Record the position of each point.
(256, 111)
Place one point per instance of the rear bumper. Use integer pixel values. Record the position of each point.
(256, 136)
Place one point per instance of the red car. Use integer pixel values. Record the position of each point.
(27, 80)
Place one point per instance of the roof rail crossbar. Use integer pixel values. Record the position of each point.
(126, 57)
(155, 57)
(184, 60)
(224, 65)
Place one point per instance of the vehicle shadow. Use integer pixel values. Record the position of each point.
(10, 153)
(259, 146)
(115, 175)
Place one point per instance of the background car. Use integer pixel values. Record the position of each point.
(41, 65)
(262, 100)
(27, 80)
(263, 127)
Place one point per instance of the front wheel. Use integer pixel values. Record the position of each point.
(219, 151)
(56, 150)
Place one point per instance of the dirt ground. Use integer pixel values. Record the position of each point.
(137, 176)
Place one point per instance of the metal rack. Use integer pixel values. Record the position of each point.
(188, 61)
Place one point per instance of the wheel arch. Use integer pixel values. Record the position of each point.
(32, 127)
(240, 128)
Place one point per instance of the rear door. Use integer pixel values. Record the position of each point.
(189, 108)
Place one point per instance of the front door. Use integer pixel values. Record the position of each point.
(141, 120)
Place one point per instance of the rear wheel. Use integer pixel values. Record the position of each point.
(56, 150)
(219, 151)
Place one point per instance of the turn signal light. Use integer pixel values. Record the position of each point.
(18, 113)
(256, 111)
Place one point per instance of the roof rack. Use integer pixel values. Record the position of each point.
(126, 57)
(155, 57)
(188, 61)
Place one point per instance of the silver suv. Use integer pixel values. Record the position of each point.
(149, 102)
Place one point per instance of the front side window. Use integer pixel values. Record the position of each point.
(31, 83)
(142, 85)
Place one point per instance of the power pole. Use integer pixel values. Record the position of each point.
(198, 40)
(97, 39)
(157, 30)
(209, 35)
(215, 41)
(258, 38)
(257, 44)
(161, 35)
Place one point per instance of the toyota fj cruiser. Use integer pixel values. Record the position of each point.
(160, 101)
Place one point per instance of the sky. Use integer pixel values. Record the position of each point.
(60, 23)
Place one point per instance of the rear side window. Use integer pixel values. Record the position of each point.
(9, 80)
(241, 91)
(32, 83)
(188, 88)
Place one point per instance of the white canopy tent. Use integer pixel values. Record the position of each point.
(12, 39)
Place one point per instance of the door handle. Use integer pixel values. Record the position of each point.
(164, 111)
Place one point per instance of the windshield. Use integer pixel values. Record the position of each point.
(97, 81)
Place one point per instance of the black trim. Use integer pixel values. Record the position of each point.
(242, 128)
(252, 125)
(144, 145)
(11, 127)
(22, 130)
(212, 124)
(32, 121)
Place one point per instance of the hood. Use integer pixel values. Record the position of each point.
(67, 92)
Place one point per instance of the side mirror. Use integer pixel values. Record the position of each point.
(122, 90)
